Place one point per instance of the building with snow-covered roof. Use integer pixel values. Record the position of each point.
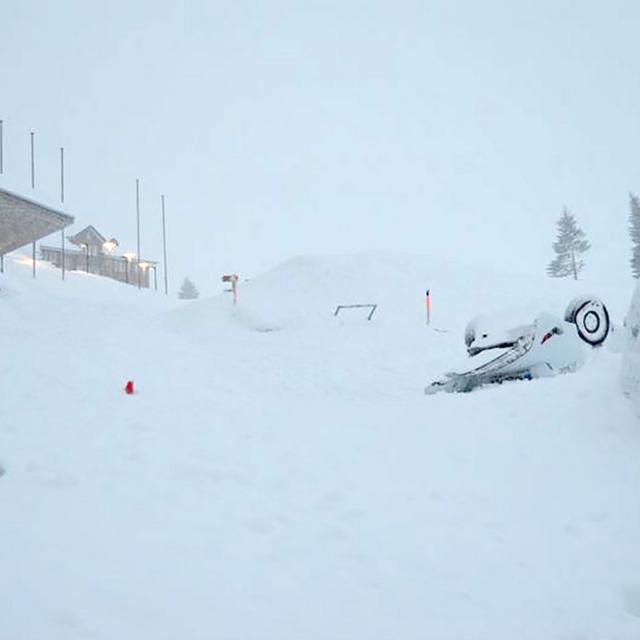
(97, 255)
(23, 221)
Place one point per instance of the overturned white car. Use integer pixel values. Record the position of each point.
(546, 347)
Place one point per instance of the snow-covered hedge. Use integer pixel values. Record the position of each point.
(631, 359)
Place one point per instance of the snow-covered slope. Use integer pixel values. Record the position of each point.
(280, 474)
(631, 359)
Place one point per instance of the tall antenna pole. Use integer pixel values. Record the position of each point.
(164, 249)
(33, 186)
(1, 171)
(62, 200)
(61, 174)
(138, 228)
(33, 163)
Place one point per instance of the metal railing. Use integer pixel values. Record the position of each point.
(373, 308)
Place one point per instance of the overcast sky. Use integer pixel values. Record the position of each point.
(458, 129)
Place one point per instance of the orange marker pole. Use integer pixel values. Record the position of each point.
(428, 302)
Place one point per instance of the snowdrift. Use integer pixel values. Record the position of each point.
(305, 291)
(280, 474)
(631, 359)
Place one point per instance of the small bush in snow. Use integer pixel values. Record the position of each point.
(188, 290)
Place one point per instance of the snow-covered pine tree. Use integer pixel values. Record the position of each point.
(634, 232)
(570, 243)
(188, 290)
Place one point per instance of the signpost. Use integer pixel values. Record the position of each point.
(233, 280)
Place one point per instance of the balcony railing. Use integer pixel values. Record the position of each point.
(115, 267)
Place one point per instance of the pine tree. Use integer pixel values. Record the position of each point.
(634, 232)
(188, 290)
(570, 243)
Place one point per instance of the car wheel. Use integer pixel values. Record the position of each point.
(591, 319)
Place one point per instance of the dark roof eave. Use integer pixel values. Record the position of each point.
(64, 216)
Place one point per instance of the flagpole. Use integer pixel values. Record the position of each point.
(138, 230)
(62, 201)
(33, 186)
(164, 248)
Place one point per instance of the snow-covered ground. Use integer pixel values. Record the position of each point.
(281, 475)
(631, 359)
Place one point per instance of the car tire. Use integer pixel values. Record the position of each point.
(591, 318)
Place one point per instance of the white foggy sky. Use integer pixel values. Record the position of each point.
(458, 129)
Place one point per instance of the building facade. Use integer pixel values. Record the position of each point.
(95, 254)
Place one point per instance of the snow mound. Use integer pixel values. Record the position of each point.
(280, 473)
(631, 359)
(304, 293)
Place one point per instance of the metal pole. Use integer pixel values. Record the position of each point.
(2, 263)
(138, 230)
(62, 200)
(33, 163)
(1, 148)
(61, 174)
(164, 249)
(155, 278)
(33, 186)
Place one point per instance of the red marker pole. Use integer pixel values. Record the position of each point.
(428, 303)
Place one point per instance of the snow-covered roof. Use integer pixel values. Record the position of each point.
(88, 236)
(23, 221)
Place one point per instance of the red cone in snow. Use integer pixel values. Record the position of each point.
(129, 387)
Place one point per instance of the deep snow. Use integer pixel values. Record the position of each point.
(280, 474)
